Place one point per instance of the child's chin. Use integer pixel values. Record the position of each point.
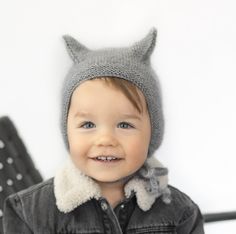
(108, 181)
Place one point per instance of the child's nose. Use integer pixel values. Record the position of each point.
(106, 139)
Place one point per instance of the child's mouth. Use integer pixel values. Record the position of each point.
(106, 159)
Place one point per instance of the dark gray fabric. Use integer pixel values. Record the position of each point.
(17, 169)
(34, 211)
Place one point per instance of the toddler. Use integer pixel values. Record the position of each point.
(112, 123)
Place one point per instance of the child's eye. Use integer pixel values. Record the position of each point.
(87, 125)
(125, 125)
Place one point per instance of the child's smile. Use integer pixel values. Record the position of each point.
(107, 159)
(108, 137)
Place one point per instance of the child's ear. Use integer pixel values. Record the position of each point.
(144, 48)
(76, 50)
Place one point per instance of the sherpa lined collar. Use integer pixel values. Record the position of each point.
(72, 188)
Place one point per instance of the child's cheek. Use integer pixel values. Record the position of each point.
(137, 147)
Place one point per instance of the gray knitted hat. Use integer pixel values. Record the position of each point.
(130, 63)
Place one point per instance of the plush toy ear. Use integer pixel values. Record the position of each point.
(144, 48)
(76, 50)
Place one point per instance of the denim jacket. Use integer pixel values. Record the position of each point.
(71, 202)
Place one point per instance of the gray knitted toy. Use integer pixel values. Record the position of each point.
(129, 63)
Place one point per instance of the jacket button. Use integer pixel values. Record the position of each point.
(1, 166)
(1, 189)
(1, 213)
(104, 205)
(122, 206)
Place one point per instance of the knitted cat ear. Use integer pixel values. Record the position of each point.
(141, 49)
(76, 50)
(144, 48)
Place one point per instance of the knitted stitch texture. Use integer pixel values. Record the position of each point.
(131, 63)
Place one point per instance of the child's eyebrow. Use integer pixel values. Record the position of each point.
(87, 114)
(131, 116)
(83, 114)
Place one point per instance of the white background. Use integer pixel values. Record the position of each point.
(194, 57)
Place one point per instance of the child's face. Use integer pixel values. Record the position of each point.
(98, 126)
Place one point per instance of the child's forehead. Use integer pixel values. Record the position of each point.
(93, 88)
(91, 92)
(97, 83)
(97, 91)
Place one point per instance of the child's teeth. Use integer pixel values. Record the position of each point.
(106, 158)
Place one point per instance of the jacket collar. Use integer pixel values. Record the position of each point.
(73, 188)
